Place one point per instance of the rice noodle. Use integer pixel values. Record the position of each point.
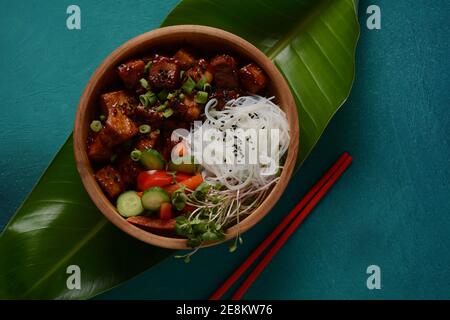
(246, 184)
(248, 112)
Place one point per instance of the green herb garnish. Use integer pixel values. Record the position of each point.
(147, 99)
(201, 191)
(148, 66)
(207, 87)
(167, 113)
(201, 97)
(198, 230)
(96, 126)
(144, 83)
(201, 83)
(145, 128)
(161, 107)
(135, 155)
(189, 85)
(179, 198)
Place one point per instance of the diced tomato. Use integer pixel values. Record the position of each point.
(165, 212)
(180, 176)
(158, 178)
(190, 183)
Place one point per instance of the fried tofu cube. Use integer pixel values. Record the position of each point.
(97, 150)
(131, 72)
(193, 111)
(164, 73)
(110, 181)
(148, 116)
(252, 78)
(187, 109)
(225, 71)
(199, 70)
(149, 141)
(118, 99)
(129, 170)
(118, 128)
(224, 95)
(184, 59)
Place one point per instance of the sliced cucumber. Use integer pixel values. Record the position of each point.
(152, 160)
(129, 204)
(154, 197)
(184, 164)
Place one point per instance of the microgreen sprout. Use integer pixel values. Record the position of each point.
(187, 257)
(179, 198)
(214, 209)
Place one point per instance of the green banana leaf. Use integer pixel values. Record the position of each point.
(311, 41)
(58, 226)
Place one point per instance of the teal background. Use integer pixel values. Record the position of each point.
(392, 207)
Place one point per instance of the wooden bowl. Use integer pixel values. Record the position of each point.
(169, 39)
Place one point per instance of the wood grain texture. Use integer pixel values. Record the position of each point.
(171, 38)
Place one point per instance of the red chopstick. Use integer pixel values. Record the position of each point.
(307, 203)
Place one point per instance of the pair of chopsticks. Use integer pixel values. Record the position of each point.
(285, 228)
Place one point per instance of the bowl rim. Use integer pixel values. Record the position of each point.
(120, 54)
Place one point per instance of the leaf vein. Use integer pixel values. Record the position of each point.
(69, 255)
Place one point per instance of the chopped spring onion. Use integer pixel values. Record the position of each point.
(144, 83)
(145, 128)
(148, 66)
(147, 99)
(207, 87)
(135, 155)
(160, 107)
(102, 117)
(181, 74)
(163, 95)
(189, 85)
(144, 99)
(96, 126)
(157, 131)
(181, 96)
(179, 199)
(152, 100)
(201, 83)
(170, 96)
(168, 113)
(201, 97)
